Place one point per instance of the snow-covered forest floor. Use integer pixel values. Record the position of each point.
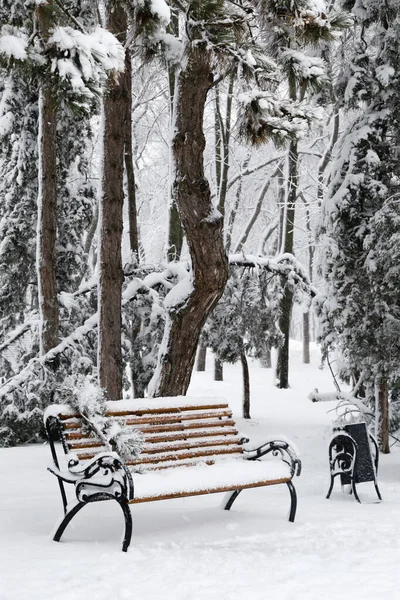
(190, 548)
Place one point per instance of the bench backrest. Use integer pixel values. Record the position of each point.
(175, 434)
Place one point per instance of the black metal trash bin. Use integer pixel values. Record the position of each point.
(350, 456)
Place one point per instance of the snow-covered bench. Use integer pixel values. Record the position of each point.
(191, 447)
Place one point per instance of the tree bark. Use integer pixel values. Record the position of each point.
(225, 129)
(129, 168)
(383, 399)
(306, 338)
(288, 233)
(201, 357)
(218, 370)
(266, 361)
(203, 229)
(246, 385)
(282, 367)
(115, 105)
(175, 231)
(47, 202)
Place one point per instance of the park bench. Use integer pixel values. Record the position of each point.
(191, 447)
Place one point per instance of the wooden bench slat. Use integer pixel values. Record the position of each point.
(171, 436)
(176, 418)
(150, 411)
(177, 456)
(172, 456)
(164, 446)
(176, 426)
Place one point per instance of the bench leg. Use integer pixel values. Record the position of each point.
(377, 490)
(75, 509)
(330, 487)
(66, 520)
(232, 499)
(128, 525)
(293, 501)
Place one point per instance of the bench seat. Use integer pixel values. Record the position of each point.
(224, 475)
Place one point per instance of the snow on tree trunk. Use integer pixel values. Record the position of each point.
(115, 105)
(203, 226)
(47, 203)
(288, 232)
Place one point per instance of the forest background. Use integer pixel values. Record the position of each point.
(190, 174)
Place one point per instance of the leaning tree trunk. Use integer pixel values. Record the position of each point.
(111, 209)
(47, 202)
(203, 227)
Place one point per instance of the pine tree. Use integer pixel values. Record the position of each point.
(360, 306)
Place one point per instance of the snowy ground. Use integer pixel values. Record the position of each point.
(190, 548)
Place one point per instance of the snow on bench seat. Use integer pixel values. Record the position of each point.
(224, 475)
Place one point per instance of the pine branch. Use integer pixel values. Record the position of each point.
(71, 17)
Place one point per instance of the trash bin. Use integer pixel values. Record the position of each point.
(350, 456)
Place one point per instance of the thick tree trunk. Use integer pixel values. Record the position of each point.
(246, 385)
(383, 399)
(47, 203)
(203, 228)
(111, 207)
(218, 370)
(201, 357)
(306, 338)
(129, 168)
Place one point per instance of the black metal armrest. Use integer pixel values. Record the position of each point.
(277, 448)
(105, 475)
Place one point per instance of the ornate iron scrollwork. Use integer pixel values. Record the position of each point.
(285, 452)
(353, 455)
(278, 448)
(105, 477)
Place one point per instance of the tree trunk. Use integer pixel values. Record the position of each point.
(282, 367)
(306, 338)
(218, 370)
(266, 361)
(383, 399)
(115, 105)
(287, 246)
(175, 231)
(203, 228)
(129, 168)
(246, 385)
(201, 357)
(225, 129)
(47, 202)
(287, 300)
